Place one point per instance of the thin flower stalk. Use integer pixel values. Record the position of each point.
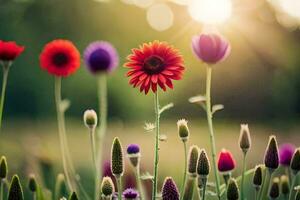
(93, 149)
(243, 174)
(211, 130)
(293, 185)
(119, 184)
(61, 130)
(1, 189)
(139, 182)
(266, 184)
(156, 150)
(3, 91)
(102, 98)
(185, 170)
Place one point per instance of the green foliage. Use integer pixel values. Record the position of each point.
(60, 187)
(189, 189)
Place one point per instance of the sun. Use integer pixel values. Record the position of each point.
(210, 11)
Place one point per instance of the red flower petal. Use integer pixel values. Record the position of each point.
(152, 64)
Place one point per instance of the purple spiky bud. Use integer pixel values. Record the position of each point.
(170, 190)
(130, 194)
(133, 153)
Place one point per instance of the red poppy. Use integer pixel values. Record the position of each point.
(226, 163)
(60, 58)
(154, 63)
(9, 51)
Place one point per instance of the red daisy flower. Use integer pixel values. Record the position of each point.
(60, 58)
(154, 63)
(9, 51)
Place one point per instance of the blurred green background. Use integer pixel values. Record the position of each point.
(258, 84)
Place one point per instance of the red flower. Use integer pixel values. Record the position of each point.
(60, 58)
(226, 163)
(9, 51)
(154, 63)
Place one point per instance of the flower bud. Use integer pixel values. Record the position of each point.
(226, 163)
(73, 196)
(169, 190)
(134, 155)
(271, 155)
(183, 130)
(211, 48)
(295, 163)
(203, 167)
(130, 194)
(117, 162)
(274, 189)
(90, 119)
(232, 190)
(286, 152)
(32, 184)
(3, 168)
(257, 177)
(107, 187)
(285, 187)
(245, 139)
(193, 159)
(15, 190)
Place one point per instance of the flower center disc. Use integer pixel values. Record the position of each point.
(60, 59)
(154, 64)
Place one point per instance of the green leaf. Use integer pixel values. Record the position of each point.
(197, 99)
(217, 107)
(64, 105)
(149, 127)
(146, 176)
(166, 107)
(163, 138)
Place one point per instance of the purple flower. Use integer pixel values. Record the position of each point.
(211, 48)
(133, 149)
(286, 152)
(169, 190)
(101, 56)
(130, 193)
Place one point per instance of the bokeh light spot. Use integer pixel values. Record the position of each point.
(160, 16)
(210, 11)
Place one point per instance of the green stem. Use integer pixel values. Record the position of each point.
(4, 83)
(266, 184)
(292, 187)
(243, 175)
(119, 184)
(60, 121)
(204, 188)
(93, 150)
(1, 189)
(185, 169)
(102, 98)
(211, 130)
(156, 158)
(139, 182)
